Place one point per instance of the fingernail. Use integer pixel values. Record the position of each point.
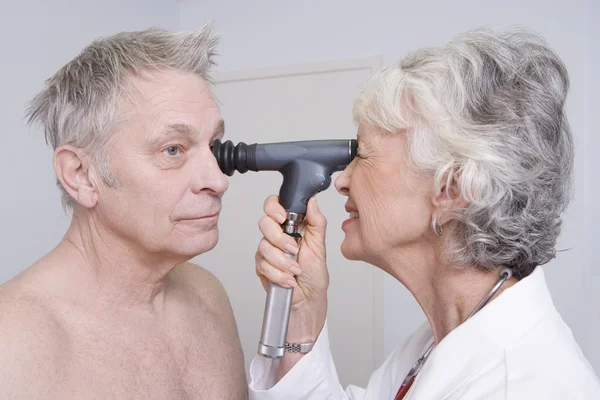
(295, 270)
(280, 218)
(291, 248)
(292, 283)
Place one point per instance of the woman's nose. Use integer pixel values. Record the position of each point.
(342, 183)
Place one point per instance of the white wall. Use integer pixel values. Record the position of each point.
(37, 37)
(273, 33)
(592, 178)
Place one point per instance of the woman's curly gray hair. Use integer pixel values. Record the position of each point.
(486, 111)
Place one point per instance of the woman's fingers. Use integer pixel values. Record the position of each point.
(277, 258)
(274, 209)
(272, 231)
(266, 270)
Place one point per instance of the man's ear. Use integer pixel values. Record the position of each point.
(448, 200)
(72, 169)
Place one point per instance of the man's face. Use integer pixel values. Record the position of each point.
(168, 196)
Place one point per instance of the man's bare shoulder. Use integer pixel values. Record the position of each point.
(31, 337)
(212, 298)
(203, 283)
(25, 310)
(209, 295)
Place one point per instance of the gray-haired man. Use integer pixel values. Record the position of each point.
(114, 311)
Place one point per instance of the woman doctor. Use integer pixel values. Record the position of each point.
(464, 167)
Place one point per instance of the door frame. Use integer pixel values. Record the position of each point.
(373, 64)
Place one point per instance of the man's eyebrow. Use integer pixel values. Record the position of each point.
(172, 131)
(180, 129)
(187, 130)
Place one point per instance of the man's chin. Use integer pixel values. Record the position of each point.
(194, 246)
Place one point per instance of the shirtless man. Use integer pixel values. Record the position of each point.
(115, 311)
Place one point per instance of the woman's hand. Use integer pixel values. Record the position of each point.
(309, 275)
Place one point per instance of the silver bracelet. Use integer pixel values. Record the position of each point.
(301, 348)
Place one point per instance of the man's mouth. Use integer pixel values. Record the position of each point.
(200, 216)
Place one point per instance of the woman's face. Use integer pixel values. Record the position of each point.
(390, 204)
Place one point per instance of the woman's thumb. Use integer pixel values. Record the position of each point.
(314, 216)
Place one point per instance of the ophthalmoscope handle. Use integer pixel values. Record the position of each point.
(278, 305)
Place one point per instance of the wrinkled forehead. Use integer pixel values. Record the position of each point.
(367, 134)
(161, 99)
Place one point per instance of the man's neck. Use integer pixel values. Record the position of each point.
(447, 294)
(111, 269)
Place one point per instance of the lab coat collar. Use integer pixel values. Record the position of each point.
(482, 339)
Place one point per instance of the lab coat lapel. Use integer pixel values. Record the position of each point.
(466, 350)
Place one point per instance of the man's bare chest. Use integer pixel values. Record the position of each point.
(186, 362)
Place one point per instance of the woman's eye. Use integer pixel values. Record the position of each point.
(172, 150)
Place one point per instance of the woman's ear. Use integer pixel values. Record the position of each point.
(72, 169)
(448, 199)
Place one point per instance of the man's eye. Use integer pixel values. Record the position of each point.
(172, 150)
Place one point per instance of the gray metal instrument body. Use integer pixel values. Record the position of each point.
(306, 167)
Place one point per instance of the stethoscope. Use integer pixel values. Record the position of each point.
(505, 274)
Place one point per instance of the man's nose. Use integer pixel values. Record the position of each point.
(208, 176)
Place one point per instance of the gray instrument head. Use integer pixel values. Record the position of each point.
(306, 166)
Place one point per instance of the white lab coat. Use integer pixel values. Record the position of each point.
(516, 347)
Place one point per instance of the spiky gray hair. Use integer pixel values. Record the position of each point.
(79, 105)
